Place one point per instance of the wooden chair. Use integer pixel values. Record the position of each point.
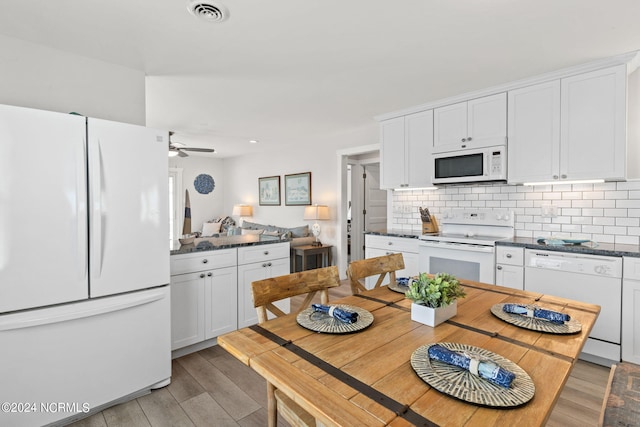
(381, 265)
(265, 293)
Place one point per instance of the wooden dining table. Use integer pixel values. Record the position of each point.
(366, 378)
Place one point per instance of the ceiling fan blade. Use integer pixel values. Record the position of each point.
(201, 150)
(182, 153)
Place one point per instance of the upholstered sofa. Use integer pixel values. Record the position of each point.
(226, 226)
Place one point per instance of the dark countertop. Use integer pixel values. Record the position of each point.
(224, 242)
(603, 249)
(395, 233)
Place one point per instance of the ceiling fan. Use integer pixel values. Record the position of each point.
(178, 148)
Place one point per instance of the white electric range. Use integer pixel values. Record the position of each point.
(465, 244)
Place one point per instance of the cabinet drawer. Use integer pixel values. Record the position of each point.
(249, 254)
(392, 244)
(509, 255)
(210, 260)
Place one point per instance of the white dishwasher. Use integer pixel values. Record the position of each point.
(588, 278)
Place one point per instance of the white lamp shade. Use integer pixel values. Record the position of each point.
(243, 210)
(316, 212)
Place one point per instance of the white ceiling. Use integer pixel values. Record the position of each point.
(290, 72)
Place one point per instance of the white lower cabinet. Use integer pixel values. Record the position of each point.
(204, 303)
(211, 291)
(376, 246)
(510, 267)
(272, 261)
(631, 310)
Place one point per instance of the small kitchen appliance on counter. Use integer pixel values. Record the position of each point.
(465, 245)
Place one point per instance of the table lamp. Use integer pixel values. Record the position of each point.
(316, 213)
(242, 211)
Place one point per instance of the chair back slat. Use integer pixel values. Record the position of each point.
(382, 266)
(265, 292)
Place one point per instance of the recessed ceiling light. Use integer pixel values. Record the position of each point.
(210, 11)
(253, 141)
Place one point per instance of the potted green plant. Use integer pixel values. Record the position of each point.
(434, 298)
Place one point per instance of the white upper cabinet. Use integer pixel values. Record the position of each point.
(593, 125)
(569, 129)
(480, 122)
(534, 133)
(405, 151)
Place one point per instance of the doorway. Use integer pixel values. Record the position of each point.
(357, 194)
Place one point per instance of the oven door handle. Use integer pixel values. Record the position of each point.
(457, 246)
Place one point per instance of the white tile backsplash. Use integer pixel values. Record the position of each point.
(607, 212)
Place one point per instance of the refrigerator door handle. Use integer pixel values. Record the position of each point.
(96, 251)
(81, 211)
(81, 310)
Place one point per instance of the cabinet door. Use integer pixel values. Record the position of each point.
(248, 273)
(593, 125)
(392, 153)
(449, 127)
(187, 309)
(631, 310)
(487, 121)
(419, 140)
(221, 301)
(534, 133)
(511, 276)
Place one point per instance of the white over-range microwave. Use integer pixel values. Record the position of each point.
(471, 165)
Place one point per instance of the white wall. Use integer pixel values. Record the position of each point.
(320, 159)
(35, 76)
(204, 207)
(606, 213)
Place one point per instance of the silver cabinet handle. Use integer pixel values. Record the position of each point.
(564, 176)
(468, 138)
(202, 275)
(499, 267)
(555, 176)
(464, 139)
(508, 255)
(390, 243)
(269, 264)
(266, 252)
(209, 274)
(204, 261)
(264, 264)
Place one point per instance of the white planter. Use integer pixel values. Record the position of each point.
(433, 316)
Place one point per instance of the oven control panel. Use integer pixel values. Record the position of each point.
(492, 217)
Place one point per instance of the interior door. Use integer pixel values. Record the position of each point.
(43, 202)
(375, 199)
(129, 214)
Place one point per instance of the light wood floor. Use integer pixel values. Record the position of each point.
(212, 388)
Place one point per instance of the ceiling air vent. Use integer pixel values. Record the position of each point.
(208, 10)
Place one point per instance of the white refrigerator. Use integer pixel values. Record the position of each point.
(84, 265)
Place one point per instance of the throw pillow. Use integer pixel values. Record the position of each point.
(302, 231)
(210, 228)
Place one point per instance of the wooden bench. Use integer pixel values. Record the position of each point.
(621, 404)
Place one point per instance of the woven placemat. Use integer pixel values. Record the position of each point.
(541, 325)
(397, 287)
(463, 385)
(322, 322)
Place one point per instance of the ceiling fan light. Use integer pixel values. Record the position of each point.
(173, 153)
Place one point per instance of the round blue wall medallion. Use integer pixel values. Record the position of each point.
(204, 183)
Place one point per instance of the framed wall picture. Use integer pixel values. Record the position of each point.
(297, 189)
(269, 191)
